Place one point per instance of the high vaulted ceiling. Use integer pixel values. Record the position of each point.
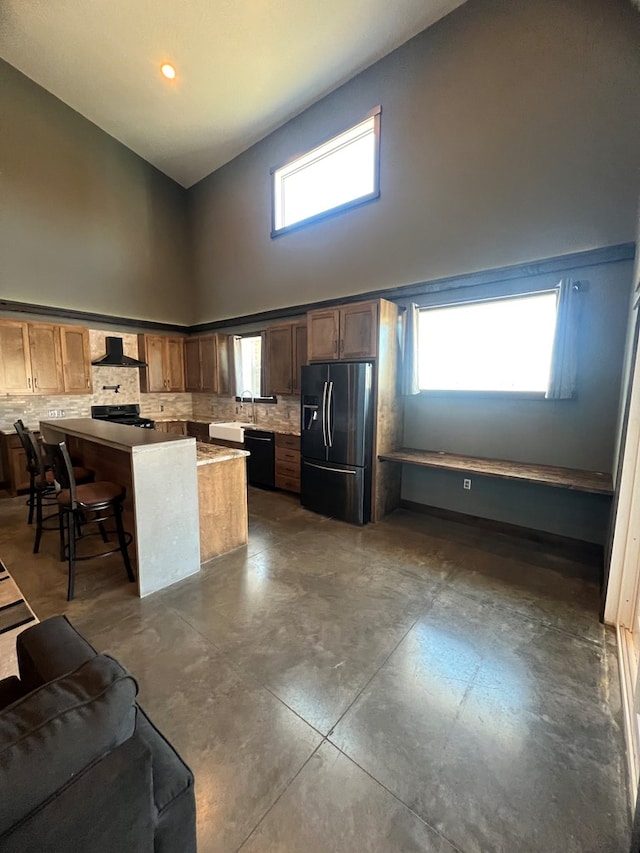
(244, 67)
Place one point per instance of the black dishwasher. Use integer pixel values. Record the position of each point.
(261, 463)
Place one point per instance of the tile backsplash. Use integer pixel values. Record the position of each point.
(285, 414)
(32, 408)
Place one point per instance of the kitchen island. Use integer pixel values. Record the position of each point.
(163, 475)
(222, 496)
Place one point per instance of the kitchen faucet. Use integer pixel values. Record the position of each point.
(249, 393)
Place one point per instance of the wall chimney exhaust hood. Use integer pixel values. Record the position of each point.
(115, 356)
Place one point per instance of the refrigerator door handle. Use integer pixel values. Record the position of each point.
(330, 415)
(326, 468)
(324, 414)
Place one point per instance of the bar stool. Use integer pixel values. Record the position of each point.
(45, 486)
(32, 469)
(91, 503)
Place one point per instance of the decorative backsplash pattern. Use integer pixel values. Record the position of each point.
(285, 414)
(32, 408)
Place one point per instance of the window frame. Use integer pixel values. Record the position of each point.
(375, 113)
(259, 398)
(474, 393)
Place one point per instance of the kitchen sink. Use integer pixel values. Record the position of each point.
(230, 430)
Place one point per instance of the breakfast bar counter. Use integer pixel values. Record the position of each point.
(160, 475)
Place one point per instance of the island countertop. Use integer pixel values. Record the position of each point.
(119, 436)
(208, 453)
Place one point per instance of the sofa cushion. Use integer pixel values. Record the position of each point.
(60, 728)
(49, 650)
(108, 808)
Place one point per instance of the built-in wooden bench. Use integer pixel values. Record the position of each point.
(547, 475)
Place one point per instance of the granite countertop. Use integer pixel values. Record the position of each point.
(165, 419)
(8, 429)
(131, 439)
(208, 453)
(281, 430)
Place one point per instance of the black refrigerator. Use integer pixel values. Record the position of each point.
(336, 439)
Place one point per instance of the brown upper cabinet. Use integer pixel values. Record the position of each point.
(346, 332)
(206, 362)
(30, 359)
(165, 363)
(286, 353)
(76, 360)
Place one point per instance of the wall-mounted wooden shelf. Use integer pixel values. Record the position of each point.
(594, 482)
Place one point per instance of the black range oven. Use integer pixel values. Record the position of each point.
(128, 414)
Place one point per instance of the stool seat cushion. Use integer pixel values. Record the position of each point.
(94, 494)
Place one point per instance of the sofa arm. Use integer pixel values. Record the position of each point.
(49, 650)
(173, 791)
(56, 731)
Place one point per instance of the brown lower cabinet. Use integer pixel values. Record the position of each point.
(199, 431)
(288, 463)
(172, 427)
(14, 465)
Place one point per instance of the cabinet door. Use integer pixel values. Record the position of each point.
(208, 364)
(192, 365)
(279, 360)
(224, 382)
(299, 355)
(174, 365)
(19, 476)
(322, 330)
(151, 350)
(177, 428)
(15, 364)
(76, 360)
(359, 330)
(46, 364)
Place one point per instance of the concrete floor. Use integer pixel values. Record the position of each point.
(414, 685)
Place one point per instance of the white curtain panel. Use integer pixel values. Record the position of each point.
(564, 360)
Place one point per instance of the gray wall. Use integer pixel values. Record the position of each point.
(85, 223)
(509, 132)
(576, 433)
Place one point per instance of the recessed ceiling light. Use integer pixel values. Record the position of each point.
(168, 70)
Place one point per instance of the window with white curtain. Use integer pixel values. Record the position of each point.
(492, 345)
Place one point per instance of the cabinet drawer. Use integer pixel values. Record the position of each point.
(288, 469)
(284, 454)
(290, 441)
(289, 484)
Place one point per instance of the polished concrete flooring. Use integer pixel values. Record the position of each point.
(414, 685)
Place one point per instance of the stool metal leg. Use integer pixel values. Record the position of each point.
(71, 528)
(61, 522)
(38, 500)
(32, 497)
(122, 541)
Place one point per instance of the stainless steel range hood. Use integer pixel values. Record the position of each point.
(115, 356)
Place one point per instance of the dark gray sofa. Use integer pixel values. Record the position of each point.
(82, 768)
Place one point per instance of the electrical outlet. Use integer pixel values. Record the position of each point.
(161, 407)
(466, 484)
